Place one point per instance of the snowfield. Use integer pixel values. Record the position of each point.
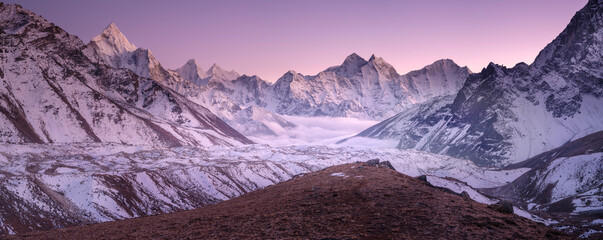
(83, 183)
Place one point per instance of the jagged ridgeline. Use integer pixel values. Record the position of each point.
(357, 88)
(51, 92)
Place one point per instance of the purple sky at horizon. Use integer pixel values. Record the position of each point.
(268, 38)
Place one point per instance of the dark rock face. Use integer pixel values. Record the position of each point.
(377, 163)
(502, 206)
(386, 164)
(423, 178)
(372, 162)
(465, 195)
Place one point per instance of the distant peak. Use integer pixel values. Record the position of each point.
(383, 67)
(217, 71)
(191, 61)
(354, 61)
(288, 76)
(444, 60)
(112, 30)
(112, 25)
(111, 37)
(215, 67)
(247, 78)
(493, 69)
(190, 64)
(191, 71)
(443, 63)
(350, 66)
(377, 60)
(372, 58)
(354, 58)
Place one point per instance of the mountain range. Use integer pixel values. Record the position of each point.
(102, 131)
(364, 89)
(357, 88)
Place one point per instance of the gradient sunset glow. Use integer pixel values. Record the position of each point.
(268, 38)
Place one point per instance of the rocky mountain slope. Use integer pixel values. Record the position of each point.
(565, 182)
(505, 115)
(50, 92)
(345, 201)
(591, 143)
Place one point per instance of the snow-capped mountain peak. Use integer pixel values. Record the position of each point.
(354, 58)
(292, 72)
(353, 65)
(214, 69)
(193, 72)
(192, 63)
(372, 58)
(217, 73)
(444, 63)
(442, 77)
(350, 66)
(364, 89)
(113, 42)
(384, 68)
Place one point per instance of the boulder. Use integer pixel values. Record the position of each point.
(465, 195)
(373, 162)
(502, 206)
(386, 164)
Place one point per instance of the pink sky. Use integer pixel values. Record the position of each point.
(268, 38)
